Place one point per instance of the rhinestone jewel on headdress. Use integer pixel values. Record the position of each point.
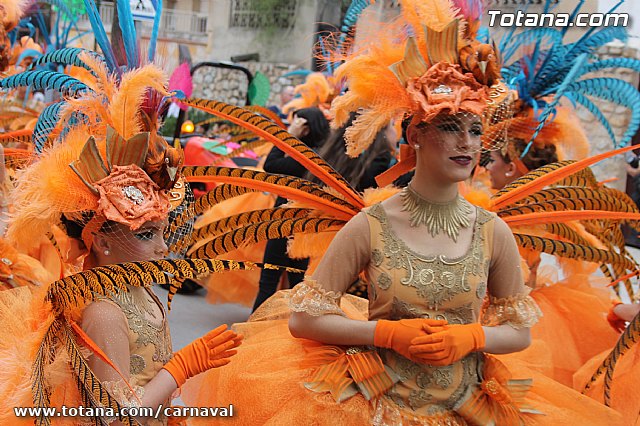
(442, 90)
(134, 194)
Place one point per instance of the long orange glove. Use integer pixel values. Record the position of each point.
(210, 351)
(397, 335)
(448, 346)
(614, 320)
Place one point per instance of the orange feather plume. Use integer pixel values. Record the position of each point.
(125, 105)
(46, 189)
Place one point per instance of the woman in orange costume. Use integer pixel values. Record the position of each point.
(420, 355)
(109, 181)
(571, 330)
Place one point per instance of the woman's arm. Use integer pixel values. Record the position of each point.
(107, 326)
(332, 329)
(504, 339)
(316, 305)
(511, 312)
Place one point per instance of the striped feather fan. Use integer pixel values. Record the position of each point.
(565, 192)
(630, 336)
(215, 196)
(282, 139)
(269, 230)
(242, 219)
(286, 186)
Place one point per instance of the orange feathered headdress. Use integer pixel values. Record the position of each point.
(113, 163)
(440, 68)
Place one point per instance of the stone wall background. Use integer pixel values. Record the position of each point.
(618, 116)
(231, 85)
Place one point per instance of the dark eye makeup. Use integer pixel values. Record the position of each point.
(145, 235)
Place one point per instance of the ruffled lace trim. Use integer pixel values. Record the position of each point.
(519, 311)
(312, 299)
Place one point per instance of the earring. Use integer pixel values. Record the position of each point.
(107, 252)
(416, 146)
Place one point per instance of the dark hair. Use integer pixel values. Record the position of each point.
(537, 156)
(354, 170)
(74, 227)
(318, 126)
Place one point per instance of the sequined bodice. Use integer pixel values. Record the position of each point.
(149, 339)
(406, 284)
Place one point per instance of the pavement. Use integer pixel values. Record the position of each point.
(191, 316)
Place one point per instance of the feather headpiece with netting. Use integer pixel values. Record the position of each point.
(100, 151)
(424, 63)
(552, 69)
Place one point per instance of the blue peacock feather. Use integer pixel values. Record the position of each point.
(129, 37)
(47, 121)
(101, 35)
(157, 4)
(40, 80)
(558, 70)
(66, 56)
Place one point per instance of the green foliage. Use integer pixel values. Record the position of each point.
(169, 126)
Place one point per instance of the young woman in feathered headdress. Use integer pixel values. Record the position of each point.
(109, 180)
(420, 353)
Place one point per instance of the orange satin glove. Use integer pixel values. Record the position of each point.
(210, 351)
(397, 335)
(448, 346)
(617, 323)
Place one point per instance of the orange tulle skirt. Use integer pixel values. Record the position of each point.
(572, 330)
(264, 382)
(24, 319)
(624, 395)
(236, 286)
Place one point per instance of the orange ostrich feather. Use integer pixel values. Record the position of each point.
(48, 188)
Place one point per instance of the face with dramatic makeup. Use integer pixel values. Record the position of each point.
(448, 147)
(120, 244)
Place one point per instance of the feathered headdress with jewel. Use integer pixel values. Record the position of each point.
(425, 63)
(99, 146)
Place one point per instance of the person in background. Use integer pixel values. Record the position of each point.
(361, 171)
(310, 126)
(286, 95)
